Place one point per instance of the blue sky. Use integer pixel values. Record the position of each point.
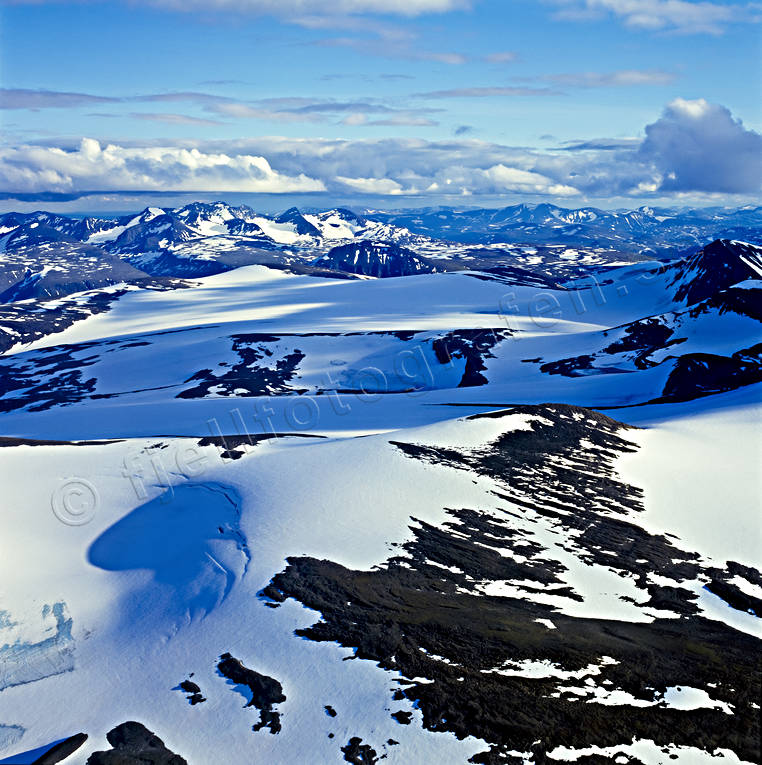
(421, 100)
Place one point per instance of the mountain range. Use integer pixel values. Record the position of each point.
(201, 239)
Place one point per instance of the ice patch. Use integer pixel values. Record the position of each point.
(10, 735)
(25, 662)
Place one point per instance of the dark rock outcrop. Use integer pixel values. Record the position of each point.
(134, 744)
(265, 691)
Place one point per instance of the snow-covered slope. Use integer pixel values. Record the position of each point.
(277, 518)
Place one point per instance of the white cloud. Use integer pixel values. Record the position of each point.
(694, 148)
(404, 120)
(488, 92)
(502, 57)
(246, 111)
(24, 98)
(355, 119)
(502, 179)
(91, 167)
(382, 186)
(358, 119)
(405, 47)
(335, 8)
(621, 78)
(170, 118)
(292, 109)
(698, 146)
(683, 16)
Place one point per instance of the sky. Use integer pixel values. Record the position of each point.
(387, 103)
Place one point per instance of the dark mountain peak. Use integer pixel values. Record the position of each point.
(374, 258)
(153, 234)
(292, 213)
(34, 232)
(717, 266)
(545, 208)
(239, 227)
(348, 215)
(730, 249)
(300, 223)
(206, 209)
(147, 213)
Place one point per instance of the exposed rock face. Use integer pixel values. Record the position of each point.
(719, 284)
(134, 744)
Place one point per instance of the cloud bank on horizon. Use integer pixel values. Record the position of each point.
(694, 146)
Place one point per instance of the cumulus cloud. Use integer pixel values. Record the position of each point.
(92, 167)
(698, 146)
(683, 16)
(693, 147)
(502, 179)
(383, 166)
